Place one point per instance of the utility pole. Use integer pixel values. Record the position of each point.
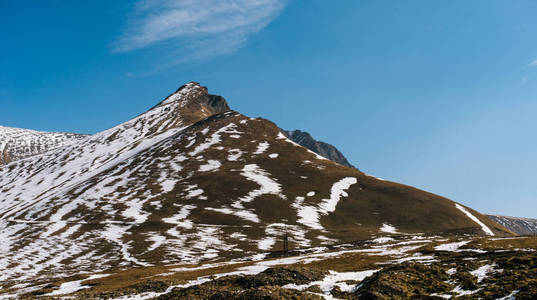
(286, 241)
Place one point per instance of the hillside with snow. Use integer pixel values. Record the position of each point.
(520, 226)
(18, 143)
(192, 181)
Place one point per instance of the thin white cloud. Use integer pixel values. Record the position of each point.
(196, 28)
(533, 63)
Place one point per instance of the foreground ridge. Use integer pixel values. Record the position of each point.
(393, 267)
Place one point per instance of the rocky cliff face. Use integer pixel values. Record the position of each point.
(324, 149)
(520, 226)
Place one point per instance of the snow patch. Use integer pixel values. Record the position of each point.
(388, 228)
(511, 296)
(383, 240)
(214, 139)
(451, 271)
(234, 154)
(157, 240)
(473, 218)
(335, 279)
(167, 185)
(309, 215)
(462, 292)
(73, 286)
(451, 246)
(262, 147)
(241, 213)
(338, 190)
(179, 218)
(266, 243)
(210, 166)
(267, 185)
(482, 272)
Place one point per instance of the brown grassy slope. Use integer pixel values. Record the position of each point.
(407, 208)
(370, 203)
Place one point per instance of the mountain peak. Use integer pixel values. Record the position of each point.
(194, 93)
(190, 86)
(194, 103)
(189, 104)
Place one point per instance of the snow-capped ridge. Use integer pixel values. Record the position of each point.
(18, 143)
(187, 105)
(104, 150)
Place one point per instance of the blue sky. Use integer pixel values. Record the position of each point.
(441, 95)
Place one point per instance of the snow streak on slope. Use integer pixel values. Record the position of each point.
(309, 215)
(473, 218)
(338, 190)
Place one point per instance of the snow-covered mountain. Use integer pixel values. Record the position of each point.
(18, 143)
(520, 226)
(191, 180)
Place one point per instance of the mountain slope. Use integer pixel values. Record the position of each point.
(190, 181)
(520, 226)
(324, 149)
(18, 143)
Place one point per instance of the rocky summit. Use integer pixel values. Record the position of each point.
(192, 182)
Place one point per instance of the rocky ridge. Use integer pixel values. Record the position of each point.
(324, 149)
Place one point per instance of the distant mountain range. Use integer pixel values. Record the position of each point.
(520, 226)
(190, 181)
(18, 143)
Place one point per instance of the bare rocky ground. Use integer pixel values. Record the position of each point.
(388, 267)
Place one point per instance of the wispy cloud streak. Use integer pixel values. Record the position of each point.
(196, 28)
(533, 63)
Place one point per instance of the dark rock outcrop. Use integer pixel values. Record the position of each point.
(323, 149)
